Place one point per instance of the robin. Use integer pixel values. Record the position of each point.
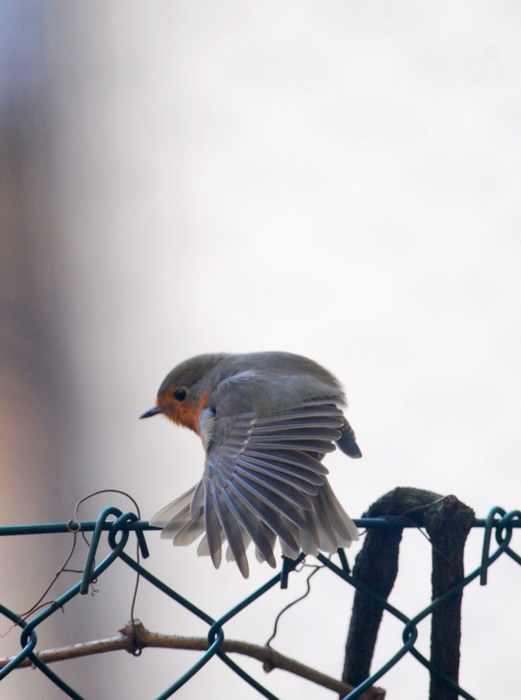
(266, 420)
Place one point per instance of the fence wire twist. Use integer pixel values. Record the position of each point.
(119, 526)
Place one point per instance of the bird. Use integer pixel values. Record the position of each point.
(266, 420)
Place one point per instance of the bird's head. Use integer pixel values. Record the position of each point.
(184, 392)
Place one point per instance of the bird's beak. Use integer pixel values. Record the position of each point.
(152, 412)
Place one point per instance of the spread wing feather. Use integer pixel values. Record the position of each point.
(263, 479)
(212, 527)
(232, 531)
(255, 528)
(289, 475)
(303, 461)
(280, 526)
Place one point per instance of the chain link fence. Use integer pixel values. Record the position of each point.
(446, 522)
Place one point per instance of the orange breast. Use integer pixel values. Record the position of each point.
(185, 413)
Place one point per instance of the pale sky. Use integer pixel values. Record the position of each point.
(337, 179)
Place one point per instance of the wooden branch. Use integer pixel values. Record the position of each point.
(133, 638)
(376, 567)
(448, 523)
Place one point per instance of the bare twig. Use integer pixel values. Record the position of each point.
(75, 529)
(135, 636)
(293, 602)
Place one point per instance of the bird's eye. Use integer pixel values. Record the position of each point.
(180, 394)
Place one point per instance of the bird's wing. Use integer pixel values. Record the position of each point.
(263, 478)
(176, 519)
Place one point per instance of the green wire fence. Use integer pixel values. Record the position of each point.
(447, 523)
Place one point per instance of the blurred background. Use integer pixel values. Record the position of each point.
(336, 179)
